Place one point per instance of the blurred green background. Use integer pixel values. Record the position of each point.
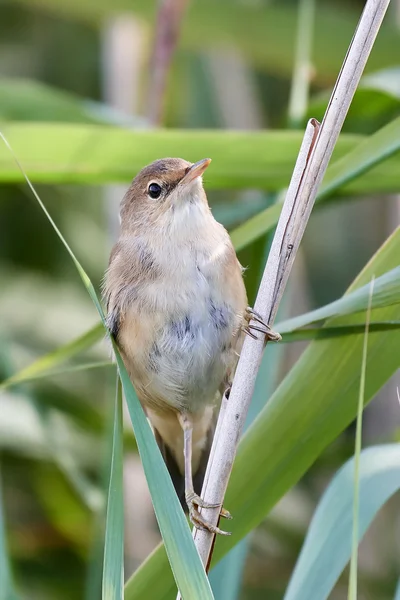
(89, 62)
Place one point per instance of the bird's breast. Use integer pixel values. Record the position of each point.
(187, 324)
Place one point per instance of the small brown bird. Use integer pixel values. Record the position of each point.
(177, 308)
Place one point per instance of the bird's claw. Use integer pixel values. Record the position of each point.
(252, 315)
(194, 502)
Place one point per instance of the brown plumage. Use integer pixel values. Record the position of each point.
(176, 305)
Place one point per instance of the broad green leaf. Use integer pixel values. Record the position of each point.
(327, 546)
(313, 404)
(51, 373)
(6, 587)
(28, 100)
(113, 569)
(366, 156)
(58, 153)
(184, 559)
(386, 292)
(246, 26)
(397, 594)
(47, 364)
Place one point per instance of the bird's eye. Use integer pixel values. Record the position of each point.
(154, 190)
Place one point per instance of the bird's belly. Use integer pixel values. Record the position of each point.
(188, 358)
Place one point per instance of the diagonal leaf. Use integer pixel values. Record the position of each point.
(29, 100)
(48, 363)
(184, 559)
(386, 292)
(327, 547)
(113, 569)
(366, 156)
(313, 404)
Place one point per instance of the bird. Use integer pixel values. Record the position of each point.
(177, 310)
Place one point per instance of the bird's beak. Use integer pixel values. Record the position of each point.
(196, 170)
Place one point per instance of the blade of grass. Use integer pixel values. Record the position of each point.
(49, 361)
(352, 592)
(86, 366)
(184, 559)
(95, 567)
(113, 569)
(386, 292)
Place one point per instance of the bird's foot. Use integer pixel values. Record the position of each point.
(194, 502)
(260, 325)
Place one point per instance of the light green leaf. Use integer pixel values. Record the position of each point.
(113, 569)
(366, 156)
(184, 559)
(313, 404)
(397, 594)
(47, 364)
(58, 153)
(386, 292)
(29, 100)
(327, 547)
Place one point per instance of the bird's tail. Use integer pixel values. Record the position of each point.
(178, 478)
